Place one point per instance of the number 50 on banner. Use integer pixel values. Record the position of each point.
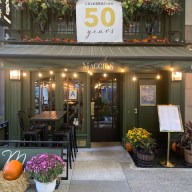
(99, 21)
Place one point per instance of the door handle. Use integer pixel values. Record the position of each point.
(135, 110)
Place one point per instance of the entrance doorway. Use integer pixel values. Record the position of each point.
(105, 108)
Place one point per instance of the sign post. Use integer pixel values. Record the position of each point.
(169, 121)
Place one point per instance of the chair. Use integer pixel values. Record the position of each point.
(28, 132)
(30, 112)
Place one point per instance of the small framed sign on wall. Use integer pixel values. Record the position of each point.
(147, 95)
(72, 94)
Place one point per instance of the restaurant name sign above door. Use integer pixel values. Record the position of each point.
(99, 21)
(101, 66)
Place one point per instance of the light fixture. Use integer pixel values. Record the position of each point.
(24, 74)
(40, 74)
(15, 74)
(134, 77)
(122, 70)
(51, 72)
(65, 69)
(176, 76)
(104, 75)
(158, 76)
(75, 75)
(63, 75)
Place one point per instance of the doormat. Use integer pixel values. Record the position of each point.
(161, 155)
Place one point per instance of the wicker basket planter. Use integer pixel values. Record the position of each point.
(145, 159)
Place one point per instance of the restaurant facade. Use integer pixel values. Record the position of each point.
(110, 84)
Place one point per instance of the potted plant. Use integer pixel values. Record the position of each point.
(143, 146)
(187, 136)
(45, 169)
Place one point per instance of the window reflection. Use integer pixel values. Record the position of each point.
(45, 94)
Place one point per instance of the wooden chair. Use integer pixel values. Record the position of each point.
(28, 132)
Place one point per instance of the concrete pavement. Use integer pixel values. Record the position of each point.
(111, 169)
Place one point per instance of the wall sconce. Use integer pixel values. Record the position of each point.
(15, 74)
(176, 76)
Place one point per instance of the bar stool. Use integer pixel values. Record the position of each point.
(64, 135)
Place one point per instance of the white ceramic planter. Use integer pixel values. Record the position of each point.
(45, 187)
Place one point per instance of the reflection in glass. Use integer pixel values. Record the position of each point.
(45, 94)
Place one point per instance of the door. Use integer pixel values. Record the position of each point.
(105, 108)
(151, 92)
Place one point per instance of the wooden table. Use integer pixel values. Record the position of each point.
(48, 116)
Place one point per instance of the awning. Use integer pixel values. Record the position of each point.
(61, 55)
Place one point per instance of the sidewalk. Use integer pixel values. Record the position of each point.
(111, 169)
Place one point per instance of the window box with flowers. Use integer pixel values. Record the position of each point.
(143, 146)
(152, 8)
(41, 10)
(45, 169)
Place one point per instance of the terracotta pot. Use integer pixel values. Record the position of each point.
(129, 147)
(174, 146)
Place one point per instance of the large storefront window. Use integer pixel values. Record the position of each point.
(45, 94)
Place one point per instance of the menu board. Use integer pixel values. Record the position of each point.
(170, 118)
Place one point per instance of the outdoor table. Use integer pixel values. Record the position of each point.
(48, 116)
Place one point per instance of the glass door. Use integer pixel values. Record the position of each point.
(105, 107)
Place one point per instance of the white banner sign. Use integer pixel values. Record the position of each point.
(99, 21)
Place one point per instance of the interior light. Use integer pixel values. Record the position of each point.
(63, 75)
(75, 75)
(51, 72)
(65, 69)
(104, 75)
(122, 70)
(172, 69)
(40, 74)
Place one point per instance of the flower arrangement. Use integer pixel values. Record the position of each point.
(45, 167)
(133, 8)
(141, 139)
(42, 8)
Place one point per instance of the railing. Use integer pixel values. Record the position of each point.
(16, 149)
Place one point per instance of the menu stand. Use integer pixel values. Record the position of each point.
(167, 163)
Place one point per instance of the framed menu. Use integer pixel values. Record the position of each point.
(169, 118)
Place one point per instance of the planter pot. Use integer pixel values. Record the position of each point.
(128, 147)
(144, 159)
(45, 187)
(180, 151)
(188, 155)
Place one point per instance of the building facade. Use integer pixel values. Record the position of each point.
(96, 80)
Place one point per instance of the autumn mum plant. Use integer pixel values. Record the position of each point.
(141, 140)
(45, 167)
